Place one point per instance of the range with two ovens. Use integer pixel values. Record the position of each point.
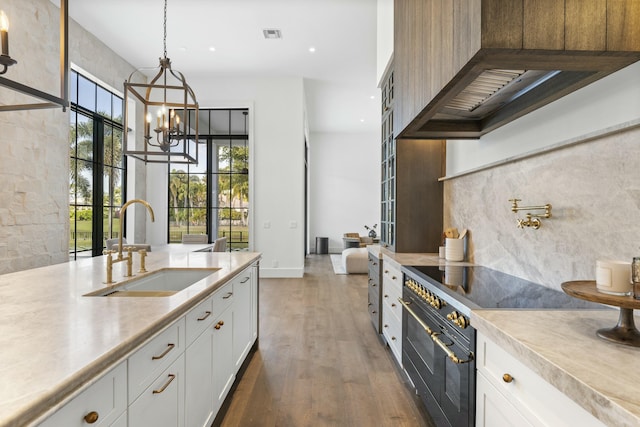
(438, 340)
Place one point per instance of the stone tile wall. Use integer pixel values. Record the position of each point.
(34, 159)
(594, 188)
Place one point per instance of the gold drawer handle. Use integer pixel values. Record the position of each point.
(245, 279)
(206, 314)
(164, 387)
(219, 324)
(228, 295)
(169, 348)
(507, 378)
(91, 417)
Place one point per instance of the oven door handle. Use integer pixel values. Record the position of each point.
(434, 336)
(415, 316)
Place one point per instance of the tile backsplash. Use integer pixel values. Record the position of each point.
(594, 190)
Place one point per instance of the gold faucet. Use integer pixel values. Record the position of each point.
(129, 257)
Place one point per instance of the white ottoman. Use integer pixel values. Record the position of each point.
(355, 260)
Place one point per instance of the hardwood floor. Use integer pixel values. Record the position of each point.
(319, 361)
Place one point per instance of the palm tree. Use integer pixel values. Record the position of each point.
(178, 190)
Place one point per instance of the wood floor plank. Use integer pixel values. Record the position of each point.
(319, 361)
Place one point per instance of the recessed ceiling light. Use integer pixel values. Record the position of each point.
(272, 33)
(372, 97)
(212, 49)
(312, 49)
(361, 120)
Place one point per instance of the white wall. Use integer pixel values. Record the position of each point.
(344, 185)
(384, 31)
(277, 168)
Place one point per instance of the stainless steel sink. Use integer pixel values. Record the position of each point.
(165, 282)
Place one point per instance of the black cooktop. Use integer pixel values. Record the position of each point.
(483, 287)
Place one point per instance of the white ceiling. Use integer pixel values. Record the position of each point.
(340, 77)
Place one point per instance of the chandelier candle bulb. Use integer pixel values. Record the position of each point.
(4, 32)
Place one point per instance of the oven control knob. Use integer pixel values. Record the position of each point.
(437, 303)
(458, 319)
(462, 322)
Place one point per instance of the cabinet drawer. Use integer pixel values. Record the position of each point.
(493, 409)
(390, 299)
(106, 399)
(222, 298)
(198, 319)
(162, 402)
(391, 275)
(146, 364)
(392, 331)
(535, 398)
(374, 263)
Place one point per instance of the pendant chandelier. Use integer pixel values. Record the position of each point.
(170, 112)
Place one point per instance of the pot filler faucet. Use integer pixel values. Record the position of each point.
(129, 257)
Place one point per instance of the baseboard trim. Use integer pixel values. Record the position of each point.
(281, 272)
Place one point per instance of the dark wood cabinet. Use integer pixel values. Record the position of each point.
(411, 205)
(441, 47)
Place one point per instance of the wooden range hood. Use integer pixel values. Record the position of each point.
(508, 58)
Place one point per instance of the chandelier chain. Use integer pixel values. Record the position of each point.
(165, 28)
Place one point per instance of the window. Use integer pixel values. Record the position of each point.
(97, 168)
(213, 197)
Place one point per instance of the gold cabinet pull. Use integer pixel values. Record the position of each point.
(206, 314)
(91, 417)
(164, 353)
(507, 378)
(245, 279)
(228, 295)
(164, 387)
(219, 324)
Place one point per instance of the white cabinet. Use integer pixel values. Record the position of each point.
(511, 394)
(162, 403)
(149, 361)
(104, 403)
(223, 364)
(244, 321)
(391, 308)
(199, 410)
(493, 408)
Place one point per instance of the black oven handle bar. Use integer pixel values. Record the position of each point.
(434, 336)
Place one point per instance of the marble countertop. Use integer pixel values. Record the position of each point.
(563, 348)
(400, 259)
(54, 340)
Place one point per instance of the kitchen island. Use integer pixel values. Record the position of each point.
(55, 341)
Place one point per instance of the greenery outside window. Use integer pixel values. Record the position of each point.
(97, 169)
(213, 197)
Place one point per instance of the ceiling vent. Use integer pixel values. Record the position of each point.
(272, 33)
